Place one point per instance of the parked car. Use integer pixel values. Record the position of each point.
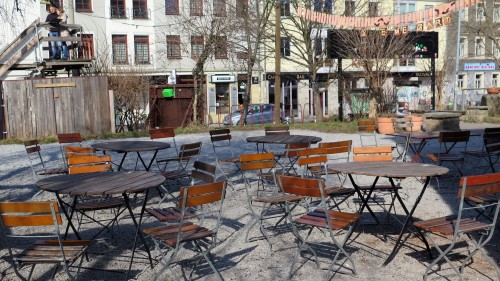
(257, 114)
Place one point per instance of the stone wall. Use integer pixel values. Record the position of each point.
(493, 103)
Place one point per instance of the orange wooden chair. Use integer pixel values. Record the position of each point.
(49, 248)
(367, 129)
(202, 236)
(38, 165)
(163, 134)
(333, 222)
(462, 225)
(68, 139)
(221, 144)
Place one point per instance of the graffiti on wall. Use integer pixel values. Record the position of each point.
(414, 97)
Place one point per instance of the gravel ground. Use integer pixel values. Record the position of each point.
(237, 259)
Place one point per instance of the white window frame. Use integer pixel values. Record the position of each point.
(462, 50)
(495, 51)
(478, 80)
(378, 7)
(479, 46)
(496, 12)
(461, 81)
(495, 77)
(479, 11)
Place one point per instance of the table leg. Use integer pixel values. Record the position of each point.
(407, 221)
(418, 151)
(121, 162)
(138, 230)
(142, 161)
(152, 160)
(364, 200)
(68, 217)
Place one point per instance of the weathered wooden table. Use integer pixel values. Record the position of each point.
(390, 170)
(282, 139)
(132, 146)
(102, 184)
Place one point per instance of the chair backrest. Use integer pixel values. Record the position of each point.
(481, 185)
(80, 163)
(163, 133)
(293, 149)
(492, 146)
(491, 132)
(69, 138)
(367, 128)
(33, 148)
(18, 214)
(335, 150)
(257, 161)
(277, 130)
(372, 154)
(189, 150)
(196, 195)
(313, 160)
(221, 138)
(449, 141)
(402, 124)
(202, 172)
(310, 187)
(78, 150)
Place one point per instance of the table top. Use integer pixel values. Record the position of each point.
(101, 183)
(130, 146)
(389, 169)
(284, 139)
(428, 135)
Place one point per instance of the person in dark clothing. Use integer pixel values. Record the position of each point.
(52, 18)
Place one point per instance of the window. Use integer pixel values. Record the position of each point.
(83, 5)
(221, 47)
(495, 50)
(462, 49)
(173, 46)
(373, 10)
(285, 8)
(464, 14)
(408, 7)
(241, 7)
(285, 47)
(220, 8)
(140, 9)
(478, 81)
(119, 45)
(196, 46)
(406, 62)
(479, 47)
(86, 50)
(117, 9)
(325, 6)
(427, 7)
(171, 7)
(141, 48)
(496, 12)
(349, 8)
(480, 11)
(460, 81)
(318, 48)
(494, 80)
(196, 8)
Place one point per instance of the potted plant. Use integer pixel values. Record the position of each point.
(493, 90)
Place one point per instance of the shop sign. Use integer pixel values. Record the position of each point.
(222, 79)
(477, 66)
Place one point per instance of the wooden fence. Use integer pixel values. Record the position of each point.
(38, 108)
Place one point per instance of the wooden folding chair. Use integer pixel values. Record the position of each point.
(337, 151)
(37, 163)
(84, 163)
(69, 139)
(313, 163)
(43, 218)
(201, 173)
(265, 201)
(290, 157)
(221, 144)
(166, 134)
(277, 130)
(492, 146)
(333, 222)
(461, 225)
(376, 154)
(186, 153)
(203, 236)
(367, 129)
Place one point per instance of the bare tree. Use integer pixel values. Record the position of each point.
(250, 32)
(374, 53)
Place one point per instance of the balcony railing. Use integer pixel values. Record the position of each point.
(118, 13)
(140, 13)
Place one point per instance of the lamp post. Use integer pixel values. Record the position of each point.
(457, 59)
(277, 63)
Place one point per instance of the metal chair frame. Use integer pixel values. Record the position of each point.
(333, 222)
(42, 216)
(221, 141)
(163, 133)
(172, 237)
(367, 128)
(68, 139)
(456, 227)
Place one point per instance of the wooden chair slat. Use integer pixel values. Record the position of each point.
(257, 157)
(161, 133)
(28, 207)
(29, 220)
(69, 138)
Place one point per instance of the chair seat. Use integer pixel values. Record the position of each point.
(436, 157)
(481, 199)
(103, 204)
(169, 214)
(189, 232)
(172, 175)
(338, 220)
(339, 190)
(379, 187)
(447, 225)
(53, 171)
(279, 198)
(230, 160)
(49, 251)
(477, 153)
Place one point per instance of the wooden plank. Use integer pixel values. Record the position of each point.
(56, 85)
